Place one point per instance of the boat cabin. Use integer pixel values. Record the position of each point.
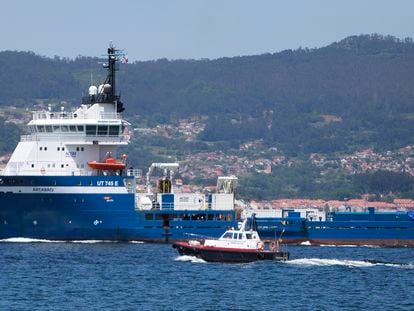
(239, 235)
(241, 238)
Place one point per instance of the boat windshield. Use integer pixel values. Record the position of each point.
(248, 236)
(227, 235)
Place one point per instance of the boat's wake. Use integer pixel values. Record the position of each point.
(351, 245)
(308, 243)
(189, 258)
(30, 240)
(27, 240)
(346, 262)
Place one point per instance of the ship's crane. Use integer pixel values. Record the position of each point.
(227, 184)
(168, 171)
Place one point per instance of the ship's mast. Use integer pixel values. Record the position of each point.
(109, 94)
(112, 58)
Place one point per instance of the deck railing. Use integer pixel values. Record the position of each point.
(70, 137)
(47, 115)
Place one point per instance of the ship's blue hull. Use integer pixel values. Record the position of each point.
(101, 208)
(43, 213)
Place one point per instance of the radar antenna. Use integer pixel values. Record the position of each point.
(109, 93)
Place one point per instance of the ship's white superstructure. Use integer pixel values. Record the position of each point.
(62, 143)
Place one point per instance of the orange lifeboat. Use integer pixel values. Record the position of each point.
(110, 164)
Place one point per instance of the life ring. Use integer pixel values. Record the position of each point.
(259, 246)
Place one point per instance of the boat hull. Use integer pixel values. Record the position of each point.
(211, 254)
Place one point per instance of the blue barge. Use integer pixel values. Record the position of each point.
(341, 228)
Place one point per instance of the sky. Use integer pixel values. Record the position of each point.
(193, 29)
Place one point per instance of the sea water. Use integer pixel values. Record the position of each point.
(102, 275)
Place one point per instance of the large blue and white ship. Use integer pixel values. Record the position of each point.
(64, 181)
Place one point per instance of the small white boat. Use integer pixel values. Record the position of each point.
(233, 246)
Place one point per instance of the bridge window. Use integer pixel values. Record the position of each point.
(113, 130)
(48, 128)
(91, 130)
(72, 128)
(102, 130)
(80, 128)
(40, 128)
(56, 128)
(64, 128)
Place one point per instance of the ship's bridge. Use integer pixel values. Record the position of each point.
(95, 124)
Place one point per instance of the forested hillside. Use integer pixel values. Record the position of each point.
(359, 91)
